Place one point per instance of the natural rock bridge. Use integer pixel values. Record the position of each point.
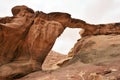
(27, 37)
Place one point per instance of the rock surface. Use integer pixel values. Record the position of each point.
(97, 58)
(27, 37)
(98, 49)
(51, 59)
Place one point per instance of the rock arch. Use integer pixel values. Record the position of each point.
(28, 36)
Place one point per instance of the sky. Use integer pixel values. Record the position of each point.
(91, 11)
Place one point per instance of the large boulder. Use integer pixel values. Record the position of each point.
(97, 49)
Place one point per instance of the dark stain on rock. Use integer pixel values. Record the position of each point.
(117, 24)
(88, 44)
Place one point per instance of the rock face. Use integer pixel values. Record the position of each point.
(51, 59)
(27, 37)
(25, 41)
(98, 49)
(95, 58)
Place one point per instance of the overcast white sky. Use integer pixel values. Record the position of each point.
(92, 11)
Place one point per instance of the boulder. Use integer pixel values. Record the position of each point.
(97, 49)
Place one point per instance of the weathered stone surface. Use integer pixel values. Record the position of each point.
(51, 59)
(98, 49)
(25, 41)
(89, 29)
(87, 64)
(101, 50)
(78, 71)
(27, 37)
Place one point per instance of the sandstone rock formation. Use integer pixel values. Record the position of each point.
(52, 59)
(27, 37)
(98, 49)
(97, 58)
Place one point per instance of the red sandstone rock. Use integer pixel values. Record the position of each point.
(27, 37)
(25, 41)
(51, 59)
(97, 58)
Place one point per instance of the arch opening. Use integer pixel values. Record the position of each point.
(67, 40)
